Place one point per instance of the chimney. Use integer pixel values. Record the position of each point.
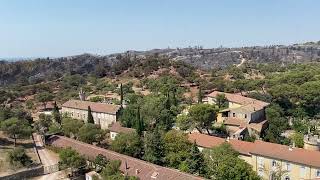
(228, 139)
(137, 171)
(154, 175)
(126, 165)
(290, 148)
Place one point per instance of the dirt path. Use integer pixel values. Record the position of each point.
(48, 158)
(243, 60)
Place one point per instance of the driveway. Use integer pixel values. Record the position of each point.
(48, 158)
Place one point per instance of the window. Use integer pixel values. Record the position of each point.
(287, 178)
(260, 162)
(288, 165)
(260, 172)
(234, 114)
(318, 173)
(245, 115)
(302, 171)
(274, 163)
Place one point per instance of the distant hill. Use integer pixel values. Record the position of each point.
(37, 70)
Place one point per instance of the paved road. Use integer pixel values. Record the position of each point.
(48, 158)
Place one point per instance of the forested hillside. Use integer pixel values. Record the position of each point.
(144, 63)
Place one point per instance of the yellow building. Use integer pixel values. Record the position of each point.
(241, 115)
(267, 158)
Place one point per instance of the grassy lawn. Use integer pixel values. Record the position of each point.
(6, 145)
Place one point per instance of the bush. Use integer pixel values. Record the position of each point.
(18, 158)
(71, 158)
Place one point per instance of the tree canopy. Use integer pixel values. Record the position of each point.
(223, 163)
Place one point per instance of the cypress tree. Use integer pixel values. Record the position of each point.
(195, 161)
(56, 113)
(90, 117)
(174, 97)
(200, 95)
(140, 124)
(121, 95)
(154, 148)
(167, 103)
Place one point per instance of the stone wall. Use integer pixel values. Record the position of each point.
(25, 174)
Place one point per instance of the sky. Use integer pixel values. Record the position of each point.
(55, 28)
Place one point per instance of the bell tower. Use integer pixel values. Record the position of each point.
(82, 95)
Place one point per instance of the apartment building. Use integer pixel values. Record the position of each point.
(266, 158)
(103, 114)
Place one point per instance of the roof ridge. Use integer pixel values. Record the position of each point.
(154, 166)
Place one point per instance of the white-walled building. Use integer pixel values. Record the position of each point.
(116, 128)
(103, 114)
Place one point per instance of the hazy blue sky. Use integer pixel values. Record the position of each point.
(69, 27)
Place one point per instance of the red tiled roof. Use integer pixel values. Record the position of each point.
(234, 121)
(277, 151)
(258, 126)
(204, 140)
(207, 141)
(95, 107)
(254, 104)
(146, 169)
(116, 127)
(271, 150)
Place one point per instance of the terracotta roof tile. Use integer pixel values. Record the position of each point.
(258, 126)
(95, 107)
(204, 140)
(253, 103)
(116, 127)
(146, 169)
(207, 141)
(277, 151)
(271, 150)
(234, 121)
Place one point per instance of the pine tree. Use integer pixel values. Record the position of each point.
(195, 161)
(56, 114)
(90, 117)
(121, 95)
(154, 148)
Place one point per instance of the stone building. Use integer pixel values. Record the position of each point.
(311, 142)
(103, 114)
(268, 158)
(117, 128)
(242, 114)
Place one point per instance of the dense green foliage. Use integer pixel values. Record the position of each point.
(90, 133)
(18, 158)
(201, 117)
(154, 148)
(71, 127)
(16, 128)
(129, 144)
(223, 163)
(70, 158)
